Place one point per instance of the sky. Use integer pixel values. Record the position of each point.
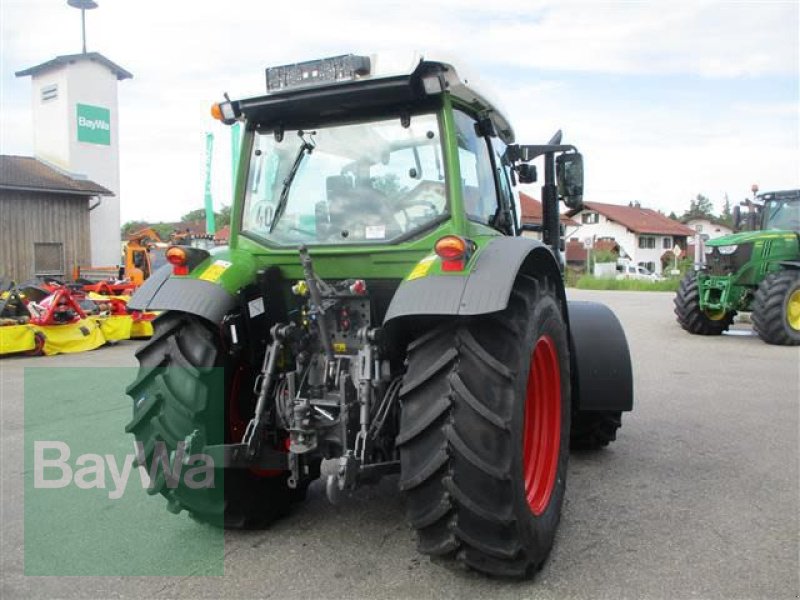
(665, 99)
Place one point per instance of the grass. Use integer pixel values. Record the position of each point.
(587, 282)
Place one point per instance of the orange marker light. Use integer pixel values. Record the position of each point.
(450, 247)
(216, 112)
(176, 256)
(453, 252)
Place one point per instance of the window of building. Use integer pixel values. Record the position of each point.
(666, 243)
(590, 218)
(650, 266)
(48, 259)
(647, 242)
(49, 92)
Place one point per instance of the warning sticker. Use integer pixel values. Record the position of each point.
(255, 307)
(215, 270)
(422, 268)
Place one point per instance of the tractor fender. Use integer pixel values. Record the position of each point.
(209, 291)
(602, 377)
(196, 296)
(485, 289)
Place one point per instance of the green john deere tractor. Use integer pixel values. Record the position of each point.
(756, 269)
(378, 307)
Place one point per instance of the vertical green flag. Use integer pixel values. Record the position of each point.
(210, 225)
(236, 135)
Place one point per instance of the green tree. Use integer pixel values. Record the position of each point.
(198, 214)
(726, 216)
(223, 217)
(699, 208)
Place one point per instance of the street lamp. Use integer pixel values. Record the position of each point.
(84, 5)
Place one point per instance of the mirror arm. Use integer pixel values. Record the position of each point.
(550, 215)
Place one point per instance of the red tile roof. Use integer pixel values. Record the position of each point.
(576, 252)
(532, 211)
(223, 235)
(638, 220)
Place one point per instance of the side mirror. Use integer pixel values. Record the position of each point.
(526, 173)
(569, 178)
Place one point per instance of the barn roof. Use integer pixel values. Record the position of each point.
(25, 173)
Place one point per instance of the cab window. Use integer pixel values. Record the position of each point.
(477, 177)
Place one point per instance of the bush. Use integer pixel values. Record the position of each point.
(587, 282)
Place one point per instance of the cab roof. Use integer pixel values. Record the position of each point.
(368, 95)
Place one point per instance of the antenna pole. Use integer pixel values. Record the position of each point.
(84, 5)
(83, 29)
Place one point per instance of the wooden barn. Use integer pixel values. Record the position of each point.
(44, 218)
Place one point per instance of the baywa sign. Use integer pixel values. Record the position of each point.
(94, 124)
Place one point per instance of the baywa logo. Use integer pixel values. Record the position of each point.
(195, 471)
(93, 124)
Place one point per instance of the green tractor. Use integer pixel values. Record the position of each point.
(756, 269)
(378, 308)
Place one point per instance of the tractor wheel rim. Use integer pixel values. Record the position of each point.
(542, 434)
(716, 315)
(793, 310)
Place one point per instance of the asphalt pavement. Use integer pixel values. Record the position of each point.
(698, 498)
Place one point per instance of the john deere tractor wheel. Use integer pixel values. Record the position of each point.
(180, 391)
(484, 434)
(592, 430)
(776, 308)
(692, 318)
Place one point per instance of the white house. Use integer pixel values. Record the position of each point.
(708, 227)
(642, 234)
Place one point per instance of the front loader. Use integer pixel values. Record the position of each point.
(378, 307)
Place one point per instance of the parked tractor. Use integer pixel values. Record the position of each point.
(377, 307)
(756, 269)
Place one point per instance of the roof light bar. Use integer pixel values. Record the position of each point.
(318, 72)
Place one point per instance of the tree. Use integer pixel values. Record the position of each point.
(699, 208)
(726, 216)
(223, 217)
(194, 215)
(672, 216)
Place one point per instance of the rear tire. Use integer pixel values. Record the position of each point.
(482, 489)
(180, 389)
(691, 317)
(776, 309)
(592, 430)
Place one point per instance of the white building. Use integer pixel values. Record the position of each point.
(642, 234)
(708, 227)
(76, 130)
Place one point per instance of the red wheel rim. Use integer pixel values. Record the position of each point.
(542, 436)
